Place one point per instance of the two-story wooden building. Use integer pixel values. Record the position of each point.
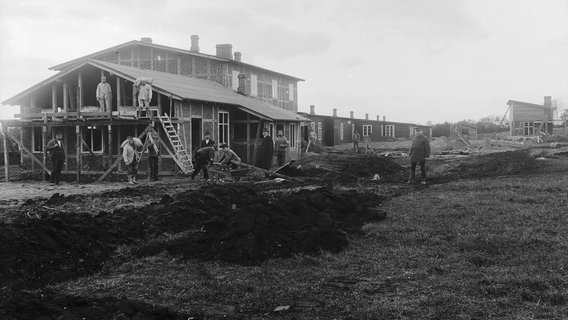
(193, 93)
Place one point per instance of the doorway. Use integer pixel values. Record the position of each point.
(195, 133)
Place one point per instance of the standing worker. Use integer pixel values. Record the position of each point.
(266, 151)
(104, 95)
(153, 156)
(419, 151)
(57, 155)
(207, 141)
(280, 147)
(203, 158)
(130, 158)
(356, 139)
(145, 94)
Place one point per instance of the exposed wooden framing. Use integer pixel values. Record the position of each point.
(44, 139)
(28, 152)
(65, 98)
(171, 104)
(134, 101)
(21, 144)
(109, 143)
(78, 155)
(65, 140)
(79, 94)
(83, 142)
(6, 157)
(151, 58)
(54, 98)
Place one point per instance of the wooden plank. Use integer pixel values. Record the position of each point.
(22, 148)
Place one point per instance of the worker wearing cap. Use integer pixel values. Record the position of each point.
(57, 155)
(227, 156)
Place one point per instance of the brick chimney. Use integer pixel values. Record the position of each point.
(335, 112)
(146, 39)
(312, 109)
(237, 56)
(241, 87)
(351, 114)
(384, 118)
(547, 101)
(194, 43)
(378, 118)
(366, 116)
(225, 51)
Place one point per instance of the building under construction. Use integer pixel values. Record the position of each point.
(193, 93)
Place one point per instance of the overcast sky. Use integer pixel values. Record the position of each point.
(408, 60)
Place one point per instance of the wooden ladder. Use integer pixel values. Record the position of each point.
(182, 158)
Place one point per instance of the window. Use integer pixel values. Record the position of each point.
(253, 85)
(291, 92)
(341, 131)
(320, 130)
(367, 130)
(389, 130)
(528, 128)
(93, 137)
(223, 127)
(37, 139)
(274, 89)
(292, 139)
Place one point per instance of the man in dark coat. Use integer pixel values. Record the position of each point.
(266, 151)
(207, 141)
(153, 156)
(57, 155)
(203, 158)
(419, 151)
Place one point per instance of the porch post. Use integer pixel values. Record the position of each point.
(54, 98)
(80, 94)
(118, 94)
(6, 157)
(44, 139)
(65, 98)
(109, 145)
(78, 150)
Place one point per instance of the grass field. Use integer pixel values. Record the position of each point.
(495, 248)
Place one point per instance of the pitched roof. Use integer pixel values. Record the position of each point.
(67, 64)
(510, 102)
(181, 88)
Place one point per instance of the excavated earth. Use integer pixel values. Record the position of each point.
(49, 240)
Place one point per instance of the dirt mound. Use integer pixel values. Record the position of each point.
(347, 168)
(237, 223)
(48, 305)
(244, 227)
(487, 165)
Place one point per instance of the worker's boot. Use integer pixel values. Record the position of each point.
(130, 180)
(134, 180)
